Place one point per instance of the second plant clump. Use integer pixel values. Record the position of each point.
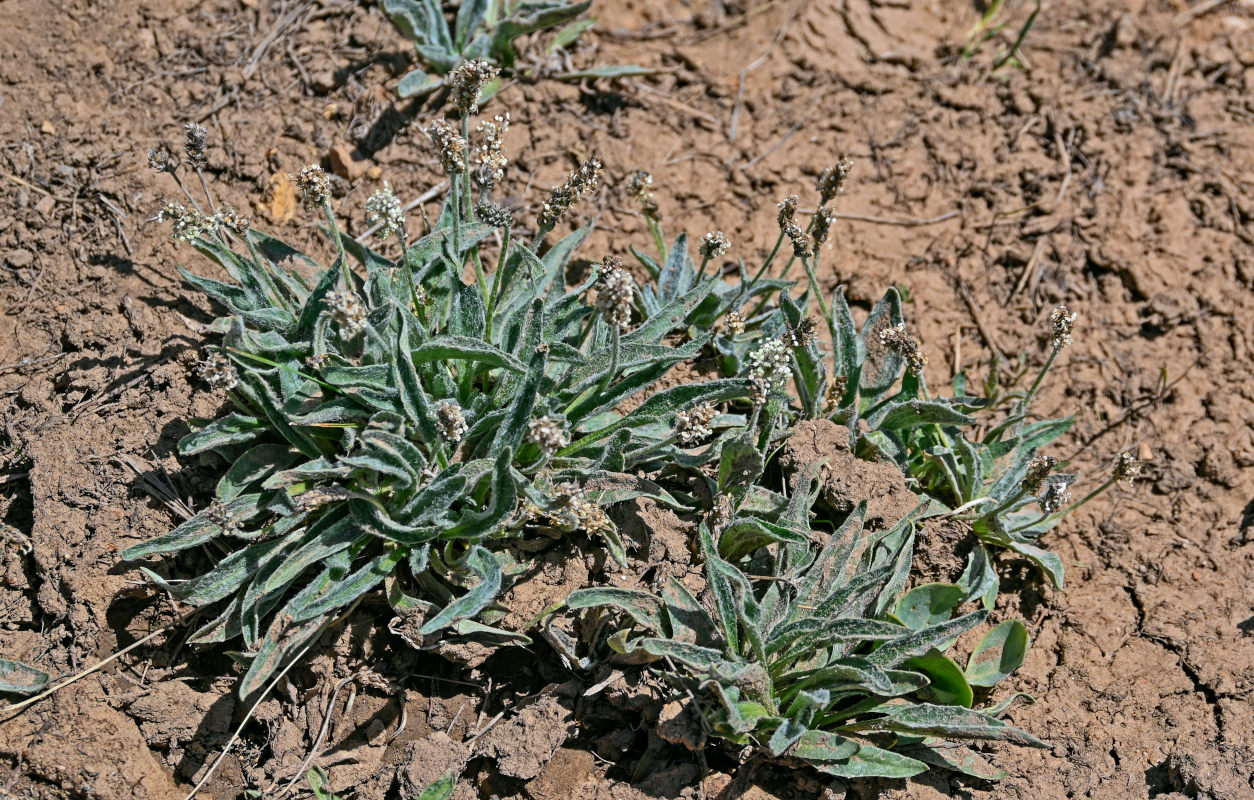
(395, 426)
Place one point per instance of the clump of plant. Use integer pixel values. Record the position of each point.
(487, 31)
(805, 645)
(990, 472)
(393, 425)
(980, 456)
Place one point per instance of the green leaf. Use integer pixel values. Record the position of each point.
(252, 466)
(948, 685)
(197, 530)
(740, 464)
(950, 721)
(467, 349)
(643, 607)
(880, 373)
(919, 642)
(929, 604)
(20, 678)
(230, 429)
(1051, 563)
(483, 565)
(872, 762)
(695, 657)
(569, 33)
(914, 413)
(442, 789)
(998, 654)
(956, 758)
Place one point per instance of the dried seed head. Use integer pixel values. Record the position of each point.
(346, 310)
(384, 210)
(896, 339)
(1127, 468)
(734, 323)
(640, 187)
(787, 211)
(194, 144)
(822, 224)
(768, 369)
(581, 181)
(831, 181)
(490, 213)
(451, 145)
(1061, 325)
(219, 513)
(452, 423)
(800, 244)
(801, 335)
(693, 426)
(1038, 470)
(233, 221)
(570, 509)
(1056, 494)
(466, 82)
(218, 371)
(713, 244)
(317, 360)
(549, 433)
(490, 151)
(835, 393)
(160, 159)
(314, 186)
(615, 291)
(319, 496)
(187, 223)
(718, 517)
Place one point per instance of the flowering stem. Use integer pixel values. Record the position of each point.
(658, 239)
(496, 276)
(284, 367)
(701, 272)
(766, 265)
(341, 256)
(1040, 376)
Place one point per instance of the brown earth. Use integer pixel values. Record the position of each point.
(1115, 174)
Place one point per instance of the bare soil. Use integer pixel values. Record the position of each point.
(1115, 174)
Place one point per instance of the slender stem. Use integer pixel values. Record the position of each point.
(341, 256)
(1040, 376)
(268, 362)
(701, 272)
(500, 268)
(636, 455)
(183, 188)
(658, 239)
(204, 185)
(748, 287)
(583, 337)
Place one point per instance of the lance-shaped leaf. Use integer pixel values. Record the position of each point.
(480, 562)
(950, 721)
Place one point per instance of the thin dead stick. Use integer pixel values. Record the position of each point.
(796, 126)
(266, 693)
(322, 734)
(30, 185)
(905, 222)
(1188, 15)
(235, 736)
(1028, 269)
(9, 711)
